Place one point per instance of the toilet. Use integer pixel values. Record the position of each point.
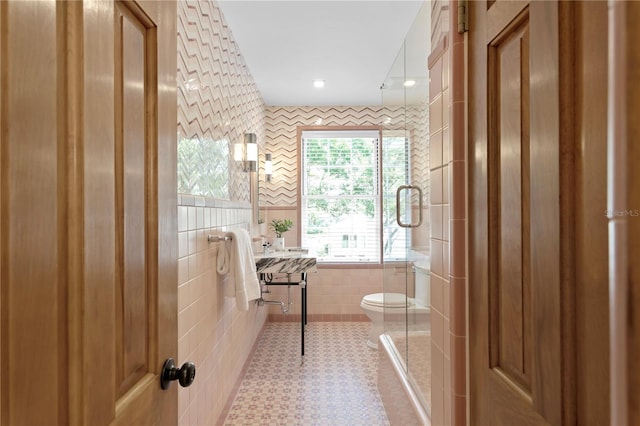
(396, 307)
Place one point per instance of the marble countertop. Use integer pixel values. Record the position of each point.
(285, 262)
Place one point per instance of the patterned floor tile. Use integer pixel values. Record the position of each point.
(334, 385)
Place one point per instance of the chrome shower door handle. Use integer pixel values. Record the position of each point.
(398, 191)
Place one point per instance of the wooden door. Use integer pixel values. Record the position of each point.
(145, 211)
(521, 287)
(88, 213)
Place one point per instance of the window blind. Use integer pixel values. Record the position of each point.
(340, 196)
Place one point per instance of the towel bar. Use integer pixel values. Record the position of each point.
(218, 238)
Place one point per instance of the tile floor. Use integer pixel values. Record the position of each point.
(334, 385)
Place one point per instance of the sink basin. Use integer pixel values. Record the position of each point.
(294, 260)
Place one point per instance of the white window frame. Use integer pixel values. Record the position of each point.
(344, 131)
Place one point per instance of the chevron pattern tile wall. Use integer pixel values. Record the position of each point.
(281, 133)
(218, 101)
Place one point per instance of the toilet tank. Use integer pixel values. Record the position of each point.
(422, 282)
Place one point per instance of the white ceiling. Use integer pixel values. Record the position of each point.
(349, 44)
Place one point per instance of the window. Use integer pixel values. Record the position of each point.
(348, 194)
(340, 195)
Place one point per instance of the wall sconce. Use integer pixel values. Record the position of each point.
(268, 167)
(247, 152)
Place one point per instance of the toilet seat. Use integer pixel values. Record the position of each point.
(387, 300)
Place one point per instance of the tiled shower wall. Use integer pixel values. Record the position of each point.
(448, 219)
(218, 101)
(440, 286)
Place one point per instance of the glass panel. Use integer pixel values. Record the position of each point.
(405, 156)
(396, 168)
(418, 263)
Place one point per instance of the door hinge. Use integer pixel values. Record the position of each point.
(463, 16)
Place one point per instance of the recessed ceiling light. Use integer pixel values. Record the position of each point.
(318, 84)
(409, 83)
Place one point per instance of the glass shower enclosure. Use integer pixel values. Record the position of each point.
(405, 159)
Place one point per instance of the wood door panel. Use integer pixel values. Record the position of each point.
(93, 297)
(500, 15)
(145, 60)
(146, 328)
(87, 220)
(592, 311)
(32, 218)
(508, 135)
(517, 311)
(131, 213)
(504, 408)
(552, 218)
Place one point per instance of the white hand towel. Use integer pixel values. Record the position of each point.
(236, 258)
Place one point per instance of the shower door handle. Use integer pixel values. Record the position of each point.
(398, 191)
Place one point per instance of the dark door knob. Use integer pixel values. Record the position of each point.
(184, 375)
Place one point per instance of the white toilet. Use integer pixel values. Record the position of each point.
(396, 307)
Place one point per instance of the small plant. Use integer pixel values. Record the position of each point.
(279, 226)
(260, 221)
